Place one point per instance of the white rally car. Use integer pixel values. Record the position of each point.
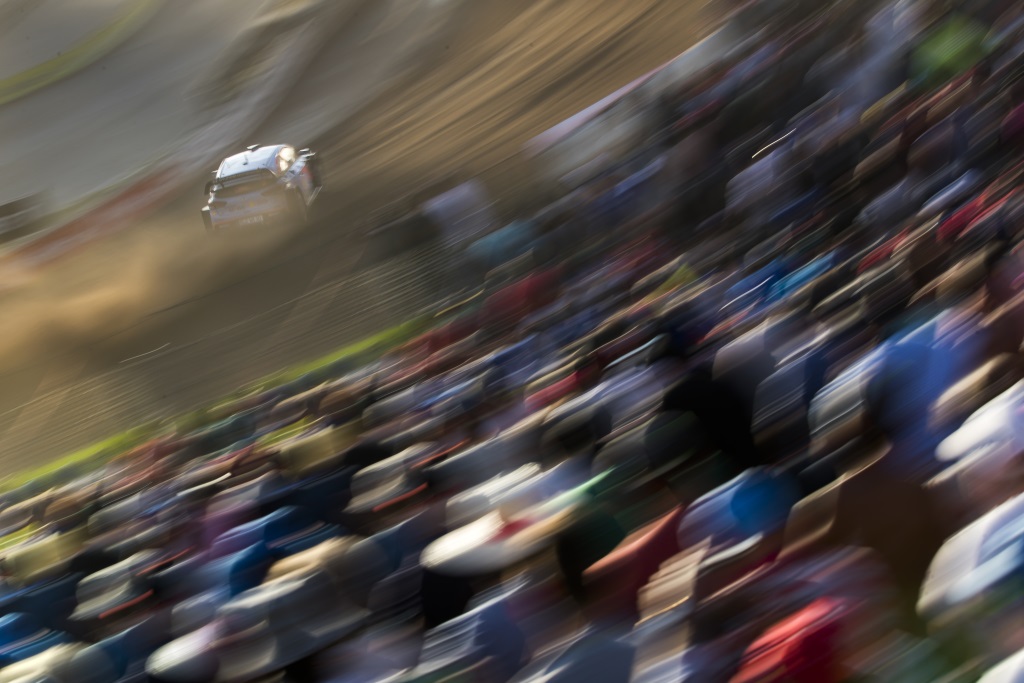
(273, 184)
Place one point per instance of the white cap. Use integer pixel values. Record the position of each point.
(995, 431)
(1010, 670)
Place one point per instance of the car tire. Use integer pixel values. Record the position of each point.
(207, 221)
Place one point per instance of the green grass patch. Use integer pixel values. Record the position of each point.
(11, 540)
(96, 454)
(99, 453)
(366, 348)
(285, 433)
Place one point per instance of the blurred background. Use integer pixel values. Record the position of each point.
(622, 342)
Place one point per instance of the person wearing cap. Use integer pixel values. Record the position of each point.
(972, 594)
(983, 456)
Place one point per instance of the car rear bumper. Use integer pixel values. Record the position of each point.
(245, 222)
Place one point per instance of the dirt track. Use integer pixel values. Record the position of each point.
(508, 75)
(211, 316)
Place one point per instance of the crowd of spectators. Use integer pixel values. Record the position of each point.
(768, 427)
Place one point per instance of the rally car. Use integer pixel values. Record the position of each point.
(272, 184)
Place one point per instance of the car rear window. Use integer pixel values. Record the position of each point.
(234, 186)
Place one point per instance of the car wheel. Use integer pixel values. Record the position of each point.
(207, 221)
